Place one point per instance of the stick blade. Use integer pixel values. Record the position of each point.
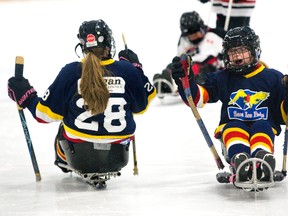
(38, 177)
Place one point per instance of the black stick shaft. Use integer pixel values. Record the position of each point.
(19, 65)
(284, 162)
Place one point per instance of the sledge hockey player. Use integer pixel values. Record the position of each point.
(94, 100)
(254, 103)
(204, 44)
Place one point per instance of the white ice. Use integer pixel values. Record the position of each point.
(176, 168)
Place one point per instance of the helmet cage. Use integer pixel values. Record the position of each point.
(241, 37)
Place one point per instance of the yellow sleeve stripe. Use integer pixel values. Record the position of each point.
(150, 98)
(45, 113)
(283, 113)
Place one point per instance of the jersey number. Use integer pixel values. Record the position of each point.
(109, 116)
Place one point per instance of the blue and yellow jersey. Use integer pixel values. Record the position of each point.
(130, 93)
(248, 98)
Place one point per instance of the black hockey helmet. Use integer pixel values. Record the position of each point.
(191, 22)
(96, 33)
(241, 37)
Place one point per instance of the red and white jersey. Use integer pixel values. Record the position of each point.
(211, 45)
(241, 8)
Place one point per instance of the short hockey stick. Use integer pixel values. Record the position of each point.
(135, 170)
(228, 15)
(19, 65)
(208, 20)
(124, 41)
(186, 86)
(284, 170)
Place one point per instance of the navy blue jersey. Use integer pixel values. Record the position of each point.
(130, 93)
(258, 95)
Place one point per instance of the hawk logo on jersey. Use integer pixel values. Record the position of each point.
(247, 103)
(247, 98)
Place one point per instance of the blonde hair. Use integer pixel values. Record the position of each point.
(92, 86)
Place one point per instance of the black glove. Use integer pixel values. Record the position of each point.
(20, 91)
(129, 55)
(204, 1)
(179, 68)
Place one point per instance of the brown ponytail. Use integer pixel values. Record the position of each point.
(92, 86)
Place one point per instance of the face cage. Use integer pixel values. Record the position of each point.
(244, 68)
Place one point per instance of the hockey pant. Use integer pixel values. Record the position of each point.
(237, 137)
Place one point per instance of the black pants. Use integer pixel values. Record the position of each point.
(233, 22)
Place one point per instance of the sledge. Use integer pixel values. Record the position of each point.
(159, 83)
(254, 184)
(95, 163)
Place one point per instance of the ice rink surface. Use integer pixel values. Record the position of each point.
(176, 168)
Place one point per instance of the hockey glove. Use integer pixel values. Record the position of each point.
(20, 91)
(179, 69)
(129, 55)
